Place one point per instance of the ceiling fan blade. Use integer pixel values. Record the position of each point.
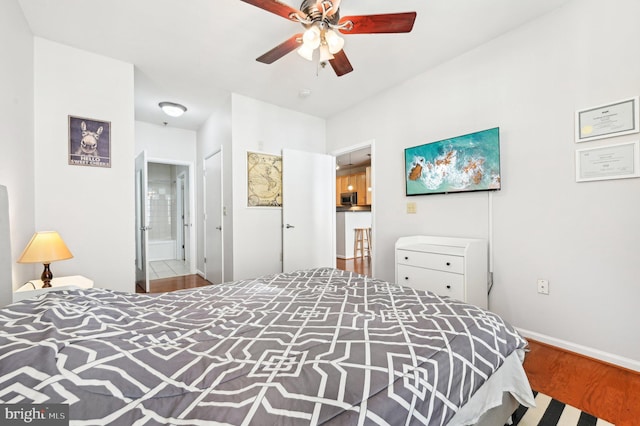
(282, 49)
(274, 6)
(340, 63)
(376, 24)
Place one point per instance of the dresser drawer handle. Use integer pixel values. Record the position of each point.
(449, 287)
(406, 278)
(448, 263)
(406, 258)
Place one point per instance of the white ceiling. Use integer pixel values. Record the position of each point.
(196, 52)
(354, 159)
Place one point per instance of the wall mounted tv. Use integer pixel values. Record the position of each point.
(461, 164)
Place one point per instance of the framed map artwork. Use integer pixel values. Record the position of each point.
(264, 180)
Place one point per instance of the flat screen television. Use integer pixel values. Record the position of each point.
(461, 164)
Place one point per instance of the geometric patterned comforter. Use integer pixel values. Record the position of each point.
(320, 346)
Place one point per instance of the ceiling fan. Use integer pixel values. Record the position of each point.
(321, 20)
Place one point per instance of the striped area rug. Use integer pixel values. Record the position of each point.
(551, 412)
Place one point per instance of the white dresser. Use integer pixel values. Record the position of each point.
(454, 267)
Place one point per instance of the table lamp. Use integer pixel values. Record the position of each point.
(45, 247)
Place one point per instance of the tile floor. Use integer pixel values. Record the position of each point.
(167, 268)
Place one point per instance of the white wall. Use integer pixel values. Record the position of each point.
(215, 135)
(583, 237)
(262, 127)
(165, 143)
(92, 208)
(16, 136)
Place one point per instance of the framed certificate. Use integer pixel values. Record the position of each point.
(617, 161)
(614, 119)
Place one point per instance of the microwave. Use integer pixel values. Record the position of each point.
(349, 198)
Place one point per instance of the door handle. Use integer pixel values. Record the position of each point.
(145, 228)
(289, 226)
(219, 228)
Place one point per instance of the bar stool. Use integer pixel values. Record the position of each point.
(369, 241)
(362, 242)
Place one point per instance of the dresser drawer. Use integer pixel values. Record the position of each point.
(439, 282)
(441, 262)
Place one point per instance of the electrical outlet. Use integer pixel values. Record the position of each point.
(543, 286)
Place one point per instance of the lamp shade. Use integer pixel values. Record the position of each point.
(334, 41)
(311, 37)
(325, 55)
(306, 52)
(45, 247)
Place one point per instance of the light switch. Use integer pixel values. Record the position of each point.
(411, 208)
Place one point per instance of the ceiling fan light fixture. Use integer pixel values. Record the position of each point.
(322, 22)
(334, 41)
(311, 37)
(325, 54)
(172, 109)
(306, 52)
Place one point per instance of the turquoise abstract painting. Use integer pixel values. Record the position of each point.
(460, 164)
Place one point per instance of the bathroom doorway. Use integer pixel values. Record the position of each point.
(169, 250)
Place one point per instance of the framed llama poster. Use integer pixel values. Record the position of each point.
(89, 142)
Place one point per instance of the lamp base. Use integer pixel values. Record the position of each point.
(46, 276)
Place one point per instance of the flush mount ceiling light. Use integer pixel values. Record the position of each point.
(172, 109)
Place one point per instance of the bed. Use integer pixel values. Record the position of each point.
(318, 346)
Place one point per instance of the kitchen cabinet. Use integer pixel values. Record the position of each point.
(454, 267)
(339, 188)
(367, 178)
(359, 183)
(361, 188)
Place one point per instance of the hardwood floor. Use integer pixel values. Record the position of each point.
(603, 390)
(174, 283)
(358, 265)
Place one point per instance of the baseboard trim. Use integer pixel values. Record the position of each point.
(597, 354)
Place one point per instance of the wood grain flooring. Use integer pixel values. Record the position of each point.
(358, 265)
(174, 283)
(603, 390)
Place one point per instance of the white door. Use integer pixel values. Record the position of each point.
(142, 239)
(182, 231)
(308, 210)
(213, 252)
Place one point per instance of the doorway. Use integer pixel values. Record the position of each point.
(355, 189)
(165, 202)
(168, 220)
